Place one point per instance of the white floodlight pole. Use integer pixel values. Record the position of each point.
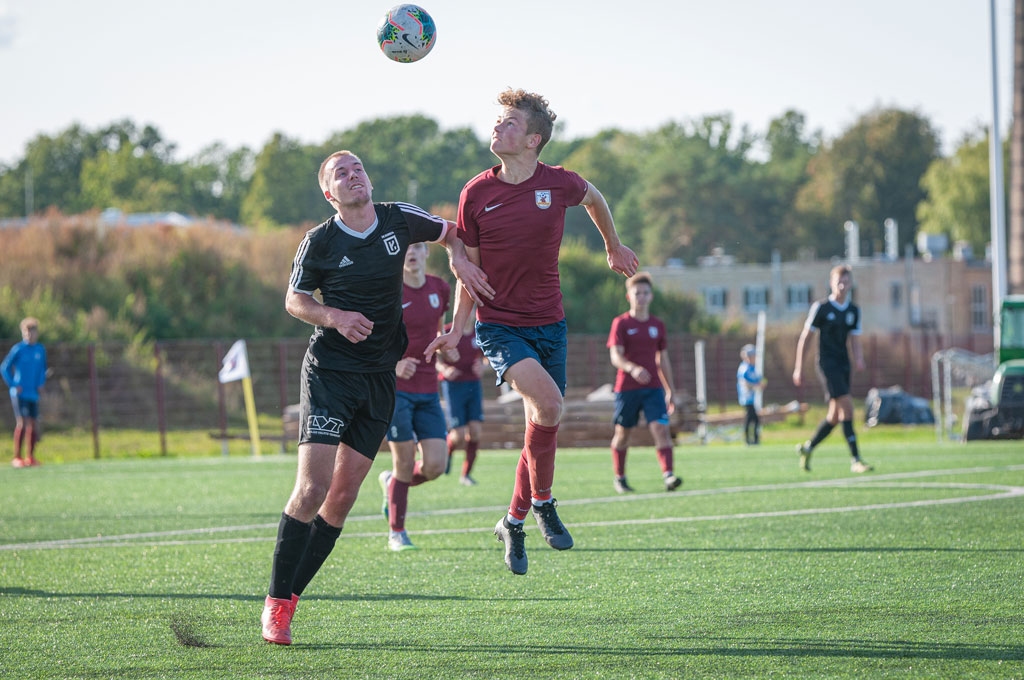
(996, 189)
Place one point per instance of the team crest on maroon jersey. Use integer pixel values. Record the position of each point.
(543, 198)
(435, 300)
(652, 331)
(391, 243)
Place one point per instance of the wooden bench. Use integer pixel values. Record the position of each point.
(585, 423)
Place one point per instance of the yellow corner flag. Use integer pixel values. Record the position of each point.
(236, 367)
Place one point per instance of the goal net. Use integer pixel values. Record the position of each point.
(955, 373)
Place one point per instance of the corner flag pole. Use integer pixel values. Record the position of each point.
(236, 367)
(250, 414)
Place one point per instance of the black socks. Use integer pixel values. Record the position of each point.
(292, 539)
(322, 538)
(824, 428)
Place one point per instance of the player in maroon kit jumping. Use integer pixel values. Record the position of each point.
(511, 220)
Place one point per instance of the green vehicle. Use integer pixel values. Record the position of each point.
(996, 411)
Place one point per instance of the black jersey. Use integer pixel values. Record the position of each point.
(834, 323)
(362, 275)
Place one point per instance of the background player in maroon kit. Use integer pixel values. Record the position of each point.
(638, 348)
(418, 417)
(511, 220)
(464, 400)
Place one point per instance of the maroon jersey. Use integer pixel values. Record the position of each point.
(422, 311)
(640, 341)
(469, 355)
(518, 229)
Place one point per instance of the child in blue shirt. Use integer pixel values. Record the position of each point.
(748, 381)
(24, 371)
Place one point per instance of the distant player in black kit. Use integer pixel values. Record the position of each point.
(347, 392)
(837, 320)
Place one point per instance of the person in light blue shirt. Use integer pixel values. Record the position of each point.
(24, 371)
(748, 382)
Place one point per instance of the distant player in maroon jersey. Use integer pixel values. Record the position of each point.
(511, 220)
(463, 395)
(418, 416)
(638, 348)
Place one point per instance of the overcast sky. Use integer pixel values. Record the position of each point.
(236, 72)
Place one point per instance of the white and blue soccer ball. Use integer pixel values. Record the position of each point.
(406, 33)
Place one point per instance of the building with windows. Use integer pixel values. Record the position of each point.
(947, 295)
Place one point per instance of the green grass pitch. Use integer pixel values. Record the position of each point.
(157, 568)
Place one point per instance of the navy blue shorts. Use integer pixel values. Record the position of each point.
(630, 403)
(23, 408)
(505, 346)
(464, 402)
(338, 406)
(417, 417)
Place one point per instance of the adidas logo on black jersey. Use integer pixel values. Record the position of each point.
(345, 262)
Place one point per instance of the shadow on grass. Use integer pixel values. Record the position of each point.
(872, 649)
(355, 597)
(725, 647)
(858, 549)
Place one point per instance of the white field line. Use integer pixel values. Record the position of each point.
(996, 492)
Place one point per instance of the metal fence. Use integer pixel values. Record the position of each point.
(173, 385)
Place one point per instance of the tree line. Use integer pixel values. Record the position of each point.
(676, 192)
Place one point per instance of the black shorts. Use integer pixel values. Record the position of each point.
(340, 406)
(835, 379)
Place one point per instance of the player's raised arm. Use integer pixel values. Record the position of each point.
(466, 268)
(621, 259)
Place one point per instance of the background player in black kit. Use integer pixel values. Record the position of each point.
(347, 393)
(837, 320)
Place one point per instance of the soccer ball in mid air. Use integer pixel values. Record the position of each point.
(406, 33)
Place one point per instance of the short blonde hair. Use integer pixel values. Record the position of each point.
(323, 166)
(28, 323)
(839, 270)
(637, 279)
